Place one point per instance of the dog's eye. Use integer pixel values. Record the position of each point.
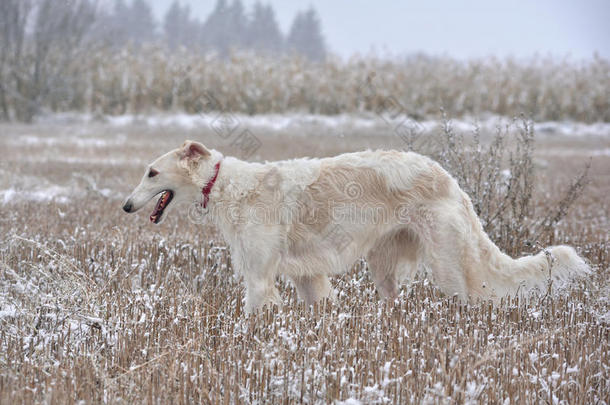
(152, 173)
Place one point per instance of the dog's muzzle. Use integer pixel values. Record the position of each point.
(128, 206)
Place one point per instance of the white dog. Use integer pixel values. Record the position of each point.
(312, 218)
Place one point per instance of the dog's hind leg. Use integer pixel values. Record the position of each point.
(444, 257)
(313, 288)
(393, 257)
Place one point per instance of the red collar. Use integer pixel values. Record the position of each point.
(208, 187)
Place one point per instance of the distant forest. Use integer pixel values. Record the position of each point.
(230, 26)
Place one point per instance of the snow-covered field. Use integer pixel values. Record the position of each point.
(98, 305)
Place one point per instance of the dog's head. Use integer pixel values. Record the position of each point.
(175, 177)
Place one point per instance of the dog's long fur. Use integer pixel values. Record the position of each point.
(312, 218)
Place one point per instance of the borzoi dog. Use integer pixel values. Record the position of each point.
(311, 218)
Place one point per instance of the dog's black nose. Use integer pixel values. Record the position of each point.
(127, 207)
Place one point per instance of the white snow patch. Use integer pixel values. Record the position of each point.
(335, 123)
(604, 152)
(349, 401)
(55, 193)
(72, 140)
(231, 120)
(9, 312)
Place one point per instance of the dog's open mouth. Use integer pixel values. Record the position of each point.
(164, 200)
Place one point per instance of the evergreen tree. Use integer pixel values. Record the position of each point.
(305, 36)
(141, 26)
(117, 22)
(178, 27)
(263, 31)
(237, 25)
(216, 27)
(172, 25)
(133, 22)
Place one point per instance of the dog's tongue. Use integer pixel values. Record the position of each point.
(161, 204)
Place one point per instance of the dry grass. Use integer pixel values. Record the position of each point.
(117, 81)
(99, 306)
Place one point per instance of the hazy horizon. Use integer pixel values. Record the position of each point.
(471, 29)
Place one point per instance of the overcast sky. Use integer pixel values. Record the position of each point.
(468, 28)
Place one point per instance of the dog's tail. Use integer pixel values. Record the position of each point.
(556, 263)
(500, 274)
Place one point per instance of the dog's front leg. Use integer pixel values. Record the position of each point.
(259, 270)
(260, 292)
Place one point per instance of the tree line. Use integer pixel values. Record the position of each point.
(229, 26)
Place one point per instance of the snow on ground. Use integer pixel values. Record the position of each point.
(332, 122)
(76, 148)
(39, 194)
(75, 139)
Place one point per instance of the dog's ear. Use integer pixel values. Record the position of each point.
(192, 150)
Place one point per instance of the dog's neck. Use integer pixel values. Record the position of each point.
(207, 189)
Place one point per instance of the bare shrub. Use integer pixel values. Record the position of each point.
(500, 178)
